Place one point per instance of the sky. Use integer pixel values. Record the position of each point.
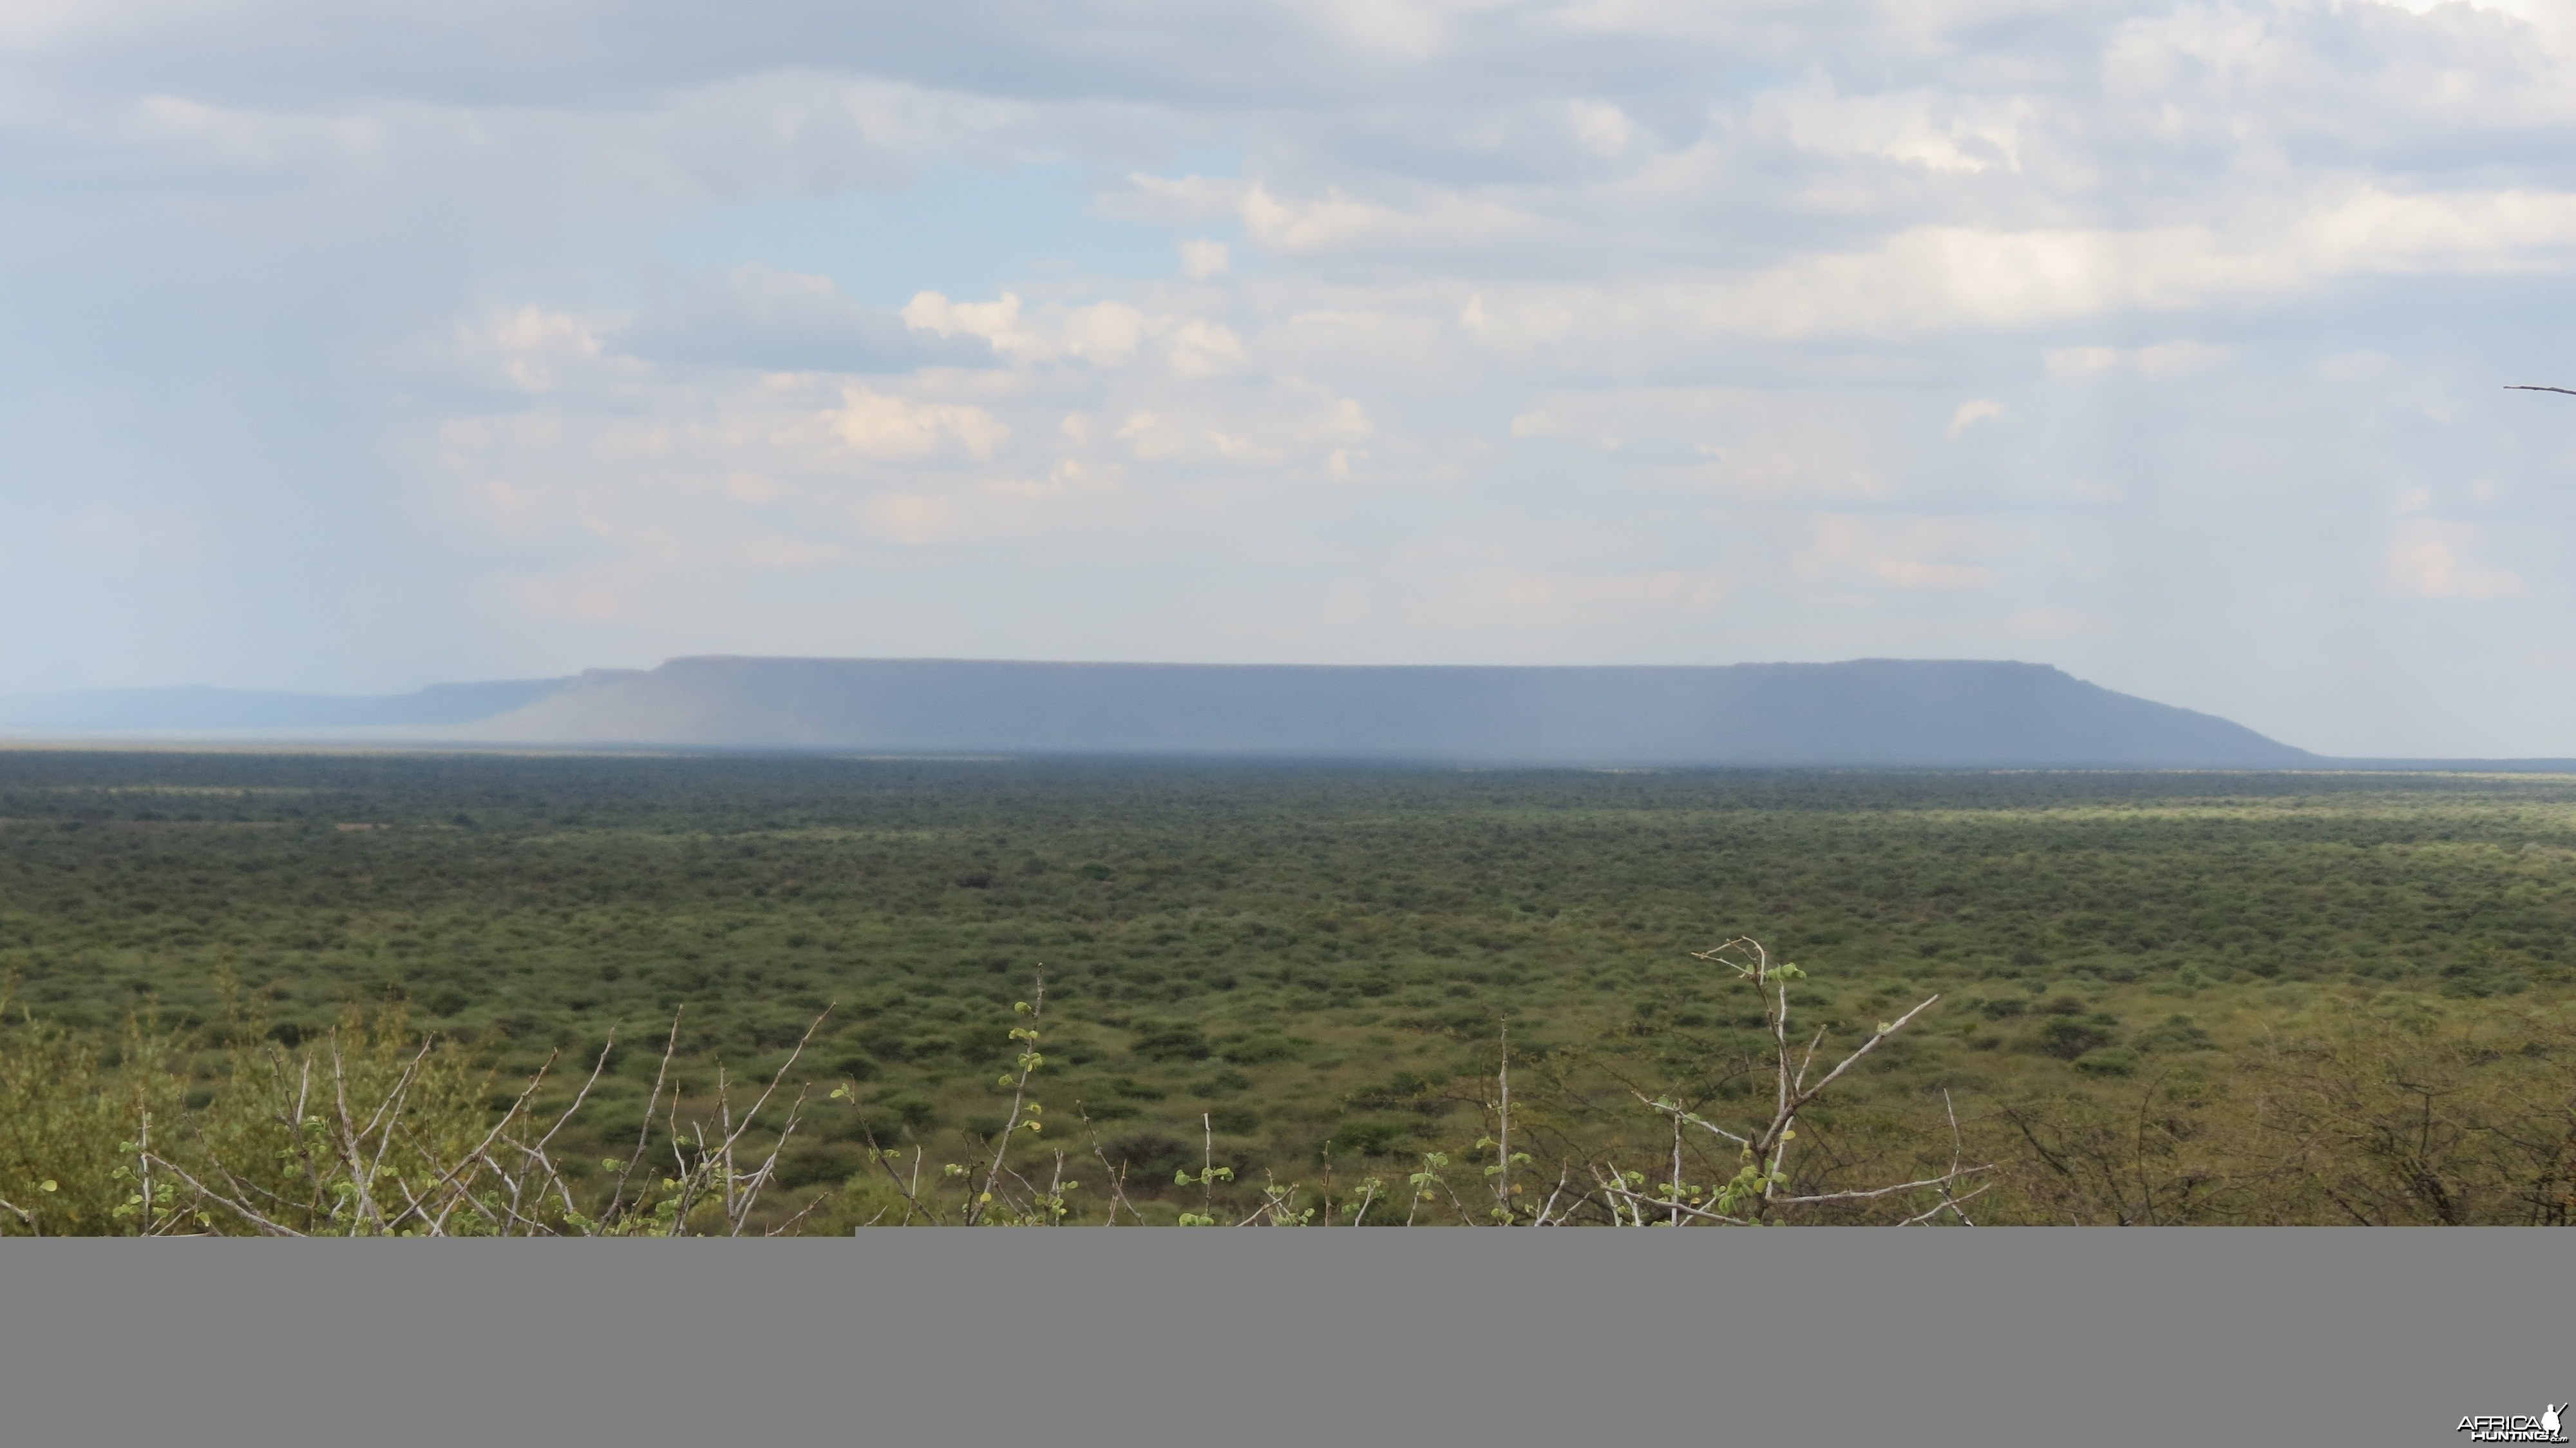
(358, 345)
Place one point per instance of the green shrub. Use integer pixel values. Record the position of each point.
(1168, 1042)
(1371, 1137)
(1150, 1157)
(2178, 1033)
(2068, 1039)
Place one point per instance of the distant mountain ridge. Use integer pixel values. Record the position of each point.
(1868, 712)
(198, 706)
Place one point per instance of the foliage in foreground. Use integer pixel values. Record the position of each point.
(366, 1131)
(2398, 1115)
(2392, 1117)
(363, 1133)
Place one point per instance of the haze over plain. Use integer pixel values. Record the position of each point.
(2159, 342)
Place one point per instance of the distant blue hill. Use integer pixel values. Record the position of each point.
(2455, 766)
(196, 706)
(1869, 712)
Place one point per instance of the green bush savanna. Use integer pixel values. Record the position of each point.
(1287, 961)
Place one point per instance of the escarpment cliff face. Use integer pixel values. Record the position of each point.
(1865, 712)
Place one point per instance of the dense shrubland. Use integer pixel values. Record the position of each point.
(362, 1132)
(2165, 998)
(2343, 1115)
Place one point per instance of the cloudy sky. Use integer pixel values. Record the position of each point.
(350, 346)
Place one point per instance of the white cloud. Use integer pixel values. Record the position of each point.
(2162, 360)
(2429, 559)
(1333, 221)
(1103, 334)
(1969, 414)
(1199, 348)
(1603, 128)
(776, 320)
(2075, 362)
(751, 487)
(1945, 555)
(1613, 596)
(532, 347)
(1339, 222)
(2176, 359)
(1202, 259)
(1158, 439)
(1942, 132)
(882, 428)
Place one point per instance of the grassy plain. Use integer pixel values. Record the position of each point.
(1301, 954)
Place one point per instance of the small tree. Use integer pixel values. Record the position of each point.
(1756, 1193)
